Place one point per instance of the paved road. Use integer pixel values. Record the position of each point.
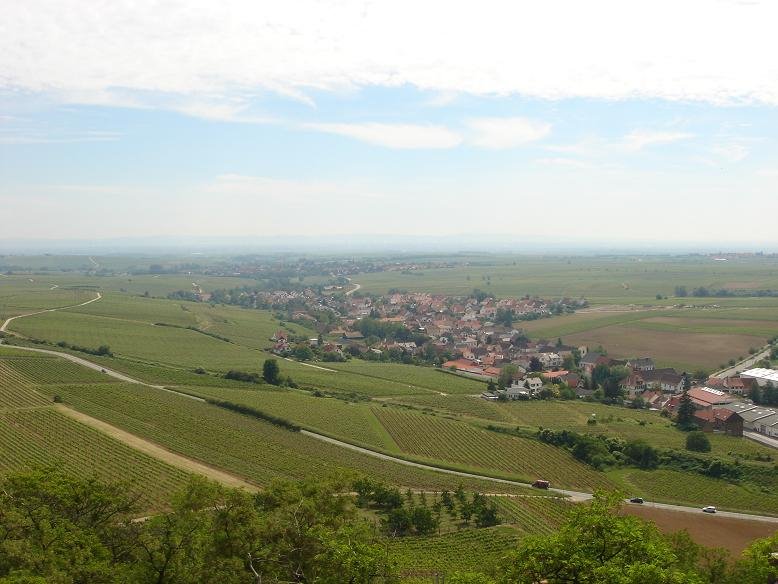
(13, 318)
(766, 440)
(742, 366)
(354, 289)
(574, 495)
(698, 511)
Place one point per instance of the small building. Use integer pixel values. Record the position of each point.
(719, 420)
(641, 364)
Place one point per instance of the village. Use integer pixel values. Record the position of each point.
(478, 336)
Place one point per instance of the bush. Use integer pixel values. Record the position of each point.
(697, 441)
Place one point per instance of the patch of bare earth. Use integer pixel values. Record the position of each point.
(705, 350)
(708, 530)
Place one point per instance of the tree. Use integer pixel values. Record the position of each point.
(597, 544)
(681, 292)
(303, 352)
(535, 365)
(271, 372)
(507, 373)
(504, 316)
(685, 415)
(697, 441)
(641, 454)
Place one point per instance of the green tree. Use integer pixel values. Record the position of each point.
(507, 373)
(697, 441)
(271, 372)
(685, 414)
(595, 545)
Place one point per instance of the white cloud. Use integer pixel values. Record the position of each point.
(606, 49)
(497, 133)
(565, 163)
(732, 152)
(402, 136)
(639, 139)
(27, 135)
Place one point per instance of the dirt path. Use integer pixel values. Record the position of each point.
(309, 365)
(354, 289)
(156, 451)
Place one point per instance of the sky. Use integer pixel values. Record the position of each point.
(620, 121)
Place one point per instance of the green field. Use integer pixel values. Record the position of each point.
(354, 422)
(245, 446)
(688, 489)
(603, 279)
(33, 434)
(457, 443)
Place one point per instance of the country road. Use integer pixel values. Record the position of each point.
(743, 365)
(13, 318)
(573, 495)
(354, 289)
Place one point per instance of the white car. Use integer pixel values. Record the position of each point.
(709, 509)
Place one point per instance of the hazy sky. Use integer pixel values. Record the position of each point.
(616, 120)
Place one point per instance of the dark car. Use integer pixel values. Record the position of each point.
(540, 484)
(636, 500)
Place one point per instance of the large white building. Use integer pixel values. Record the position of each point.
(762, 375)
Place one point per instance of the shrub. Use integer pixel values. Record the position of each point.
(697, 441)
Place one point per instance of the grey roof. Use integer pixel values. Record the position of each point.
(757, 414)
(591, 357)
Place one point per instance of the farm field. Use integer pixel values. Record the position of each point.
(355, 422)
(599, 278)
(711, 531)
(435, 438)
(480, 550)
(696, 490)
(424, 378)
(254, 449)
(573, 415)
(34, 435)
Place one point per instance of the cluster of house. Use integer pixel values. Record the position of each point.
(720, 403)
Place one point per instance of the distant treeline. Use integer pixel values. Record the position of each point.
(703, 292)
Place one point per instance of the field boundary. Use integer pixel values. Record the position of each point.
(156, 451)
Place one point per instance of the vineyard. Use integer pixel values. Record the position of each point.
(466, 405)
(419, 377)
(44, 437)
(236, 443)
(46, 370)
(16, 390)
(534, 514)
(352, 421)
(690, 489)
(466, 550)
(452, 442)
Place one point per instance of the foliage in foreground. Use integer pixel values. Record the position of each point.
(56, 529)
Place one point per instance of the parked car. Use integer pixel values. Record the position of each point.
(709, 509)
(637, 500)
(541, 484)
